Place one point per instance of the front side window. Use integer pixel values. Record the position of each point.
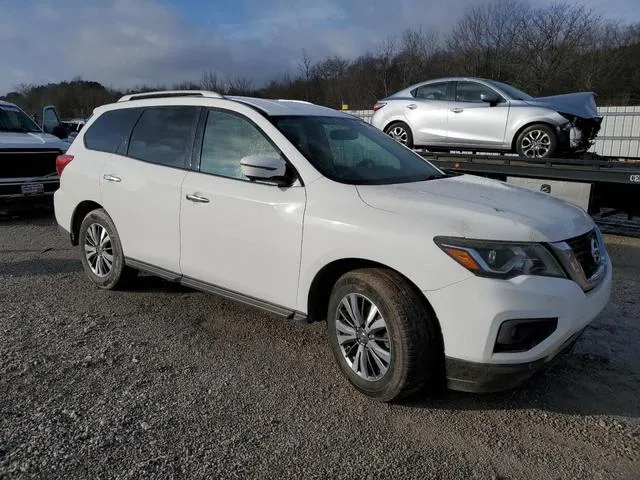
(111, 130)
(351, 151)
(12, 119)
(470, 92)
(432, 91)
(227, 139)
(164, 135)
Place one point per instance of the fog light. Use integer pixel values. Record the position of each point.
(520, 335)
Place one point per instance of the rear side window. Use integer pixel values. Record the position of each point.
(111, 130)
(164, 135)
(432, 91)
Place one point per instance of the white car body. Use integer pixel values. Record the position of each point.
(265, 245)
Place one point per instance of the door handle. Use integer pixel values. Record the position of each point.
(111, 178)
(192, 197)
(457, 110)
(412, 106)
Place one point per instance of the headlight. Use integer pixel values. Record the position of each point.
(501, 259)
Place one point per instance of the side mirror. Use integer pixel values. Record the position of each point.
(490, 98)
(266, 168)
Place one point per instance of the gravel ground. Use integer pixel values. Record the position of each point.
(165, 382)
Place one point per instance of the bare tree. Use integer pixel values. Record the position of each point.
(240, 85)
(305, 67)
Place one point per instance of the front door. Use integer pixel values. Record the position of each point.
(473, 122)
(240, 235)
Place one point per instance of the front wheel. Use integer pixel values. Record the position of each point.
(537, 141)
(383, 336)
(400, 132)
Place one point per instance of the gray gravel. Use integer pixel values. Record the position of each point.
(165, 382)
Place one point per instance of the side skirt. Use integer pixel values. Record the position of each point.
(216, 290)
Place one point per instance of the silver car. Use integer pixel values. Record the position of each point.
(475, 114)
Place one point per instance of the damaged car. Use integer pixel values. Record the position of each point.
(476, 114)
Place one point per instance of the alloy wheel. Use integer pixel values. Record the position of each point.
(98, 250)
(363, 337)
(536, 144)
(399, 134)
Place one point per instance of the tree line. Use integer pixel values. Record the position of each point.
(542, 50)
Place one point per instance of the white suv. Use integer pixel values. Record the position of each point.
(311, 213)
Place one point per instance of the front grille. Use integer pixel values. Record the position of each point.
(27, 163)
(581, 247)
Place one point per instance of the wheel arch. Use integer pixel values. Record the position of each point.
(81, 211)
(530, 124)
(323, 281)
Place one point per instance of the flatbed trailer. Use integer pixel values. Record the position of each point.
(611, 185)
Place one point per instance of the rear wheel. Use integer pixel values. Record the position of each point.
(400, 132)
(383, 337)
(102, 256)
(537, 141)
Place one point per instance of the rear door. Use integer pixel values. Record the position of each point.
(427, 113)
(240, 235)
(473, 122)
(141, 191)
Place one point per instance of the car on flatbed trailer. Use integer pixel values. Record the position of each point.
(28, 154)
(486, 115)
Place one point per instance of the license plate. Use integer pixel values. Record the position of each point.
(33, 188)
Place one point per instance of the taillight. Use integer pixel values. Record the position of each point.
(61, 162)
(378, 106)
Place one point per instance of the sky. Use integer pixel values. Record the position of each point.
(124, 43)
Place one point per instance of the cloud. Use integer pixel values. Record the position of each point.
(123, 43)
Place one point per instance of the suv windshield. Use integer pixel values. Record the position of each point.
(13, 119)
(513, 92)
(352, 151)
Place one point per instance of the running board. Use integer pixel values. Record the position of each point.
(216, 290)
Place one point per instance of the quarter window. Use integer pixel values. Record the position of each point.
(164, 135)
(227, 139)
(432, 91)
(111, 130)
(469, 92)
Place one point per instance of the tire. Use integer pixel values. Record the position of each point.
(409, 345)
(96, 266)
(400, 132)
(537, 141)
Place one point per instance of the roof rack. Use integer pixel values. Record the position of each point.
(170, 93)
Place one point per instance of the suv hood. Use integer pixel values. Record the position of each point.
(476, 207)
(31, 140)
(581, 104)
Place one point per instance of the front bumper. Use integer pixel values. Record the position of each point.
(471, 313)
(487, 377)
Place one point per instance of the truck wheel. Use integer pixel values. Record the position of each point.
(400, 132)
(383, 336)
(537, 141)
(102, 257)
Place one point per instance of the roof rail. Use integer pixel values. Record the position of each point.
(170, 93)
(295, 101)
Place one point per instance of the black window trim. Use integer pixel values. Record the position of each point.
(199, 141)
(190, 143)
(455, 91)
